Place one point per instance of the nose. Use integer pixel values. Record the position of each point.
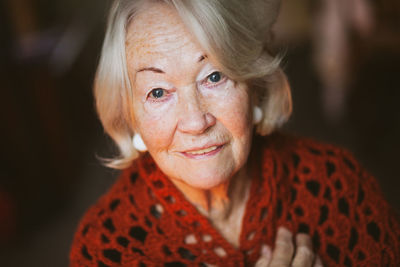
(194, 118)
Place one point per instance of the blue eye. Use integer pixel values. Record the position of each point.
(214, 77)
(157, 93)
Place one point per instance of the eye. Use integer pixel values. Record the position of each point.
(214, 77)
(157, 93)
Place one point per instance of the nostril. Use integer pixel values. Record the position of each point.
(196, 122)
(210, 119)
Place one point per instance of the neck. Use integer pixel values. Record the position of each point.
(220, 202)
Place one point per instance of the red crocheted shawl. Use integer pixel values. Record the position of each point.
(144, 220)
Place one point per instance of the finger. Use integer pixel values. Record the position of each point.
(283, 252)
(318, 262)
(265, 257)
(304, 255)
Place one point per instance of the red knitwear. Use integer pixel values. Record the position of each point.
(144, 220)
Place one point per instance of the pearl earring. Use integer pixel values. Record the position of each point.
(138, 143)
(257, 114)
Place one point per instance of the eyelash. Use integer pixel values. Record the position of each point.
(223, 79)
(204, 81)
(165, 97)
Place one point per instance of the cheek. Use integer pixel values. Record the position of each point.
(156, 128)
(234, 112)
(155, 123)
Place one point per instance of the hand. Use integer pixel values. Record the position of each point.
(284, 249)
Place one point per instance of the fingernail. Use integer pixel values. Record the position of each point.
(284, 231)
(265, 250)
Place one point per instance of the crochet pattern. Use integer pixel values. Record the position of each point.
(144, 220)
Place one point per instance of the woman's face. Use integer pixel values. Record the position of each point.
(194, 120)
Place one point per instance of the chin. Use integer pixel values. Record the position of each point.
(206, 181)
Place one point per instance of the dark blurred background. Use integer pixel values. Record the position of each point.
(342, 59)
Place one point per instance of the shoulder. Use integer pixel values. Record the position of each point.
(317, 173)
(329, 195)
(308, 160)
(109, 226)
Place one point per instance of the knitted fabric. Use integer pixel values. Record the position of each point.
(144, 220)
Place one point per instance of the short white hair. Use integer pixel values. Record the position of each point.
(235, 32)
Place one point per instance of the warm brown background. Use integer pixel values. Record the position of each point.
(50, 136)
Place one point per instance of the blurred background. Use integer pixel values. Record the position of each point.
(342, 59)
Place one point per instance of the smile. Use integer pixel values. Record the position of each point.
(201, 153)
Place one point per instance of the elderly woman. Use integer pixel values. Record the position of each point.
(193, 83)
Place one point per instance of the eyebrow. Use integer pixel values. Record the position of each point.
(157, 70)
(201, 58)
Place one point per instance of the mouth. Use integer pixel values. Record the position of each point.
(204, 152)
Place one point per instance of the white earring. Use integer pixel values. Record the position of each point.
(257, 114)
(138, 143)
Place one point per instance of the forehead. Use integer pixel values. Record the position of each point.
(156, 31)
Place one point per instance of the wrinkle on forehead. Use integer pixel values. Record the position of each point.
(157, 26)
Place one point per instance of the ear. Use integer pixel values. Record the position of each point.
(255, 93)
(257, 114)
(138, 143)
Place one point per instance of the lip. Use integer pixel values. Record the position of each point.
(205, 155)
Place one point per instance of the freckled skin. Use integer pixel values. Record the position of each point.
(194, 113)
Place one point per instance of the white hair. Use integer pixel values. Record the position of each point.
(235, 32)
